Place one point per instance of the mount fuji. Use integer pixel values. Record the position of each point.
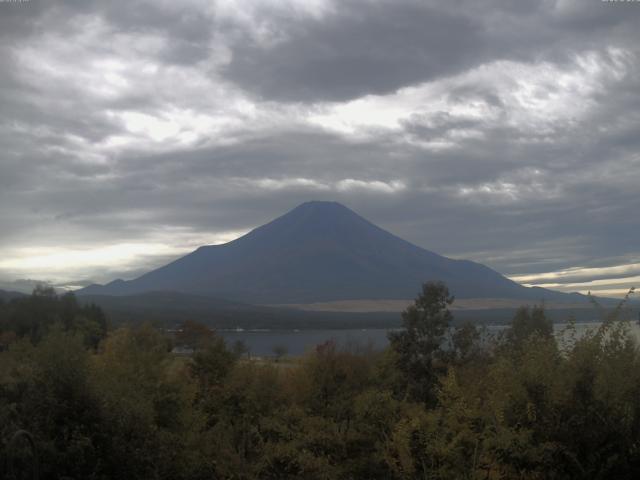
(321, 252)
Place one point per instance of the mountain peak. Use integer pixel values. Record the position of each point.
(311, 221)
(320, 204)
(319, 251)
(319, 207)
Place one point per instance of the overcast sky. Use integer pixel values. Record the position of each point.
(502, 131)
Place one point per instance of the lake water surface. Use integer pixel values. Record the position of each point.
(297, 342)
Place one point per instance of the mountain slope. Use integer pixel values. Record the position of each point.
(10, 295)
(319, 251)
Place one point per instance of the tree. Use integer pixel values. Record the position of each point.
(146, 402)
(240, 348)
(418, 346)
(34, 316)
(526, 322)
(195, 335)
(466, 343)
(279, 351)
(212, 363)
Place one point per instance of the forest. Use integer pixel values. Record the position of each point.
(90, 401)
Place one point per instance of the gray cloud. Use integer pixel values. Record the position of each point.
(505, 132)
(360, 49)
(377, 47)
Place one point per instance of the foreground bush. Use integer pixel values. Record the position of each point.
(438, 403)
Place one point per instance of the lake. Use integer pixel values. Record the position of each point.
(296, 342)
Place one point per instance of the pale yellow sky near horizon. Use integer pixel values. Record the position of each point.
(65, 266)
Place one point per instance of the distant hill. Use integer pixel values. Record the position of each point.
(7, 295)
(171, 308)
(320, 252)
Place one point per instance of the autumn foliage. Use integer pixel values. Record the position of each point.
(439, 403)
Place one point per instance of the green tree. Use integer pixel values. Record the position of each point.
(45, 390)
(279, 352)
(466, 343)
(240, 348)
(418, 346)
(150, 427)
(194, 335)
(526, 322)
(32, 317)
(211, 363)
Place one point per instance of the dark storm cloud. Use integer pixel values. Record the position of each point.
(361, 49)
(377, 47)
(515, 141)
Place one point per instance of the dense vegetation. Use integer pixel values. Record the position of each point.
(438, 403)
